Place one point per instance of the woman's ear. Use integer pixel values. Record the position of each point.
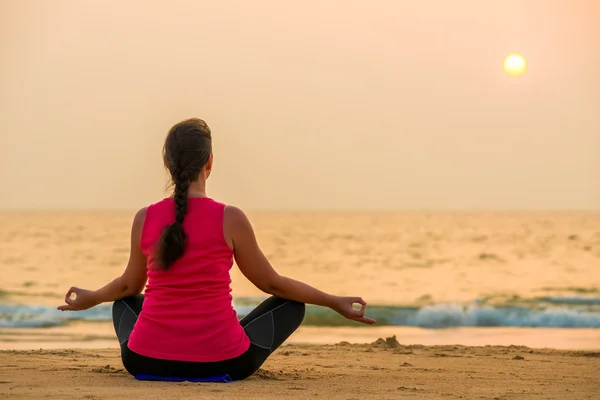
(209, 165)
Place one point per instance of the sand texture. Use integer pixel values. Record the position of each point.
(380, 370)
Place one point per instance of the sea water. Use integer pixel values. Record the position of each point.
(432, 271)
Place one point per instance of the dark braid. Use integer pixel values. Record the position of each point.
(182, 184)
(186, 151)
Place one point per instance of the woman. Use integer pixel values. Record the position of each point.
(183, 247)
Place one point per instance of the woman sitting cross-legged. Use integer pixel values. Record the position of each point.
(182, 250)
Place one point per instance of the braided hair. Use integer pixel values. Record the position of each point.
(185, 153)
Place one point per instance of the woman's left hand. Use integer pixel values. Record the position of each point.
(83, 300)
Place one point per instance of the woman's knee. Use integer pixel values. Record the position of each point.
(296, 309)
(133, 303)
(118, 306)
(291, 306)
(125, 314)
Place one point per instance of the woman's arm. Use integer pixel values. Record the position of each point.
(132, 281)
(255, 266)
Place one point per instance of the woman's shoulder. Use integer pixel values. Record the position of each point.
(233, 211)
(234, 217)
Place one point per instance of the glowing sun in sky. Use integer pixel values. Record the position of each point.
(515, 64)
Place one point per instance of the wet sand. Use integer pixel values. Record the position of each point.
(380, 370)
(97, 335)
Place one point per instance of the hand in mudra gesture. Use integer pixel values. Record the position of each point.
(345, 307)
(83, 300)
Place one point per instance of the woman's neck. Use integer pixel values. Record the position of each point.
(197, 189)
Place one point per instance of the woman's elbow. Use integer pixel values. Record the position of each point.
(132, 289)
(136, 291)
(273, 285)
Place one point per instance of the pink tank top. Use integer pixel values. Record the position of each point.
(188, 313)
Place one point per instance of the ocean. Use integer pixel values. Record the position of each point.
(428, 275)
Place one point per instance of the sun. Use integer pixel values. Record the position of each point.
(515, 64)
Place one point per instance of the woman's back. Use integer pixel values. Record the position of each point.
(182, 251)
(187, 313)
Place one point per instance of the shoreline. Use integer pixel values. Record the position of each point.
(101, 335)
(383, 369)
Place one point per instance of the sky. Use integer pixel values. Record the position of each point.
(330, 105)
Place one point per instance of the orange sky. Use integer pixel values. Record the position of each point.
(321, 104)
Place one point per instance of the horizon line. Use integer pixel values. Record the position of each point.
(325, 210)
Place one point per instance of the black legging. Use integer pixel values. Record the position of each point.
(267, 326)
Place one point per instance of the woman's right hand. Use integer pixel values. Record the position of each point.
(84, 299)
(345, 307)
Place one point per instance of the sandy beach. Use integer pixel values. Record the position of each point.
(381, 370)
